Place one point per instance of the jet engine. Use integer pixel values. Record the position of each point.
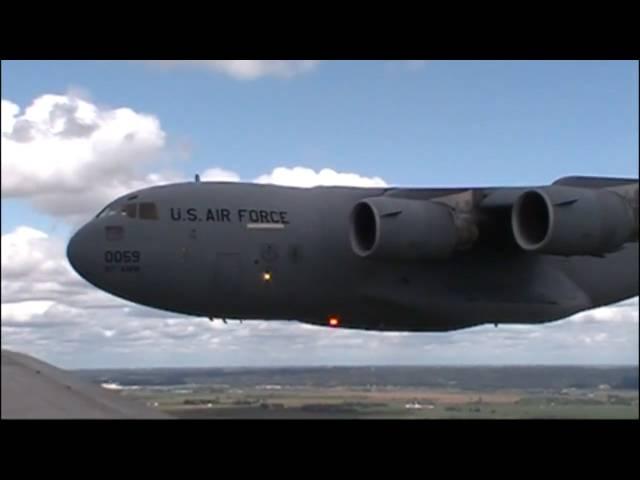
(574, 221)
(403, 229)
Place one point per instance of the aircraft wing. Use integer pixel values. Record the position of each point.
(507, 196)
(572, 216)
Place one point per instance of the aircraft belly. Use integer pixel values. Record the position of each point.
(473, 294)
(620, 270)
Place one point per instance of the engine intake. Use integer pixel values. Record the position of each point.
(573, 221)
(396, 228)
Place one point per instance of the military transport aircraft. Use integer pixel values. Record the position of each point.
(400, 259)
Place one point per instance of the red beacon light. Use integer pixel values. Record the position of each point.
(334, 321)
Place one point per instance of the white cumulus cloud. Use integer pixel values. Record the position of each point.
(219, 175)
(68, 157)
(244, 69)
(307, 177)
(9, 112)
(23, 311)
(35, 269)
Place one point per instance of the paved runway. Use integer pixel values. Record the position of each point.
(34, 389)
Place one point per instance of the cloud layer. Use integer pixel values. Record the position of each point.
(306, 177)
(244, 69)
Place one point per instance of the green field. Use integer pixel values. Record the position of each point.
(396, 403)
(384, 392)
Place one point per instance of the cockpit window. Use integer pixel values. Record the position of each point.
(102, 212)
(130, 210)
(144, 210)
(106, 211)
(148, 211)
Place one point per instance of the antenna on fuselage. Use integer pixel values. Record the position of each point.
(197, 178)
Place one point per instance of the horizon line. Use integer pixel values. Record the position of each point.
(263, 367)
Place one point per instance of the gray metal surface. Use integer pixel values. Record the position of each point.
(268, 252)
(33, 389)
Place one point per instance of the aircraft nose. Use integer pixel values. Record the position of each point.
(77, 252)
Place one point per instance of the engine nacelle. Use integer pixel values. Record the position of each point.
(402, 229)
(573, 221)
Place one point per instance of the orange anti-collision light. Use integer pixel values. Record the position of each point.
(333, 321)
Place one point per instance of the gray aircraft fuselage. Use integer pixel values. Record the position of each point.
(252, 251)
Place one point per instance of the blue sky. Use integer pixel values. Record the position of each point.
(443, 123)
(435, 123)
